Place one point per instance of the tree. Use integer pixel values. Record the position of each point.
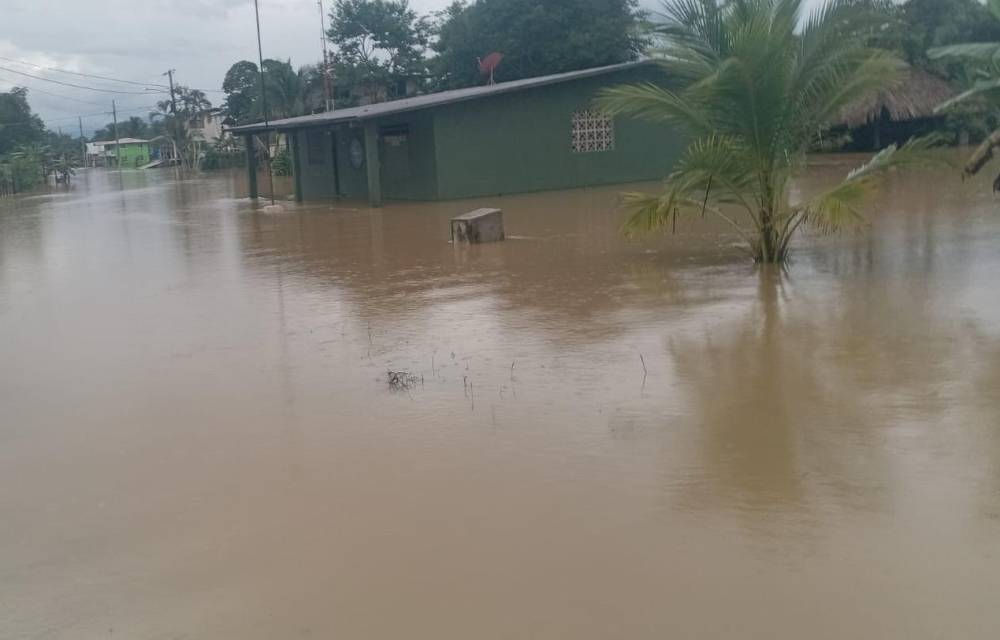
(380, 46)
(757, 82)
(920, 25)
(134, 127)
(20, 125)
(982, 60)
(289, 93)
(189, 101)
(242, 86)
(536, 38)
(176, 115)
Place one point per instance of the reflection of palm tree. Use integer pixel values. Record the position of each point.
(750, 393)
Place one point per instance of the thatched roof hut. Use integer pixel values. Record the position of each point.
(914, 96)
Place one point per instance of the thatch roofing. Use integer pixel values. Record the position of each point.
(915, 95)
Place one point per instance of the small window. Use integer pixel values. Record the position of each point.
(316, 147)
(395, 135)
(593, 131)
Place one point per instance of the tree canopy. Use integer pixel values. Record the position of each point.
(920, 25)
(20, 125)
(536, 38)
(380, 46)
(134, 127)
(289, 92)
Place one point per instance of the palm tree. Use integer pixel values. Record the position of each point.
(982, 60)
(758, 83)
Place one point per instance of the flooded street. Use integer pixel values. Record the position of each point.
(608, 439)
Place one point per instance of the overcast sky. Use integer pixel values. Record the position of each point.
(139, 40)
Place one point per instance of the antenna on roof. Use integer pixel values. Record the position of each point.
(489, 64)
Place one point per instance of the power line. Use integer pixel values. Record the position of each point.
(61, 96)
(80, 86)
(83, 75)
(86, 115)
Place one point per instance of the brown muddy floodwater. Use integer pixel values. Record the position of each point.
(197, 438)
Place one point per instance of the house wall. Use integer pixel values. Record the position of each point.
(317, 177)
(521, 142)
(132, 155)
(353, 182)
(408, 167)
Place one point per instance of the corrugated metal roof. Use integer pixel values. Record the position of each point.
(430, 100)
(123, 141)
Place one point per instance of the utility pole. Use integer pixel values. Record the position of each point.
(263, 99)
(118, 146)
(83, 143)
(327, 80)
(173, 101)
(173, 111)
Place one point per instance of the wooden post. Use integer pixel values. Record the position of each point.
(251, 166)
(293, 136)
(373, 164)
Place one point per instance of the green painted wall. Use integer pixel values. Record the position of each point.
(353, 182)
(317, 173)
(521, 142)
(133, 155)
(511, 143)
(409, 170)
(408, 166)
(318, 177)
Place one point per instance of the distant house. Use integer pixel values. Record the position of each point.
(206, 126)
(897, 112)
(95, 154)
(132, 153)
(534, 134)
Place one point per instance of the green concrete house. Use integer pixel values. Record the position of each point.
(133, 152)
(535, 134)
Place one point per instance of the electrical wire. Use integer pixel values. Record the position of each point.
(84, 75)
(61, 96)
(80, 86)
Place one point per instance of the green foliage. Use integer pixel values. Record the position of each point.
(759, 83)
(289, 92)
(281, 164)
(536, 38)
(980, 64)
(920, 25)
(242, 86)
(134, 127)
(225, 153)
(20, 125)
(380, 47)
(24, 168)
(188, 102)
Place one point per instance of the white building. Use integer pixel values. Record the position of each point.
(206, 126)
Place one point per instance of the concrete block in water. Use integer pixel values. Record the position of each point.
(481, 225)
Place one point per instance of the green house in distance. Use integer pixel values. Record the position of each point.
(536, 134)
(132, 152)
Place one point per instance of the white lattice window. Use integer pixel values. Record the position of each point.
(593, 131)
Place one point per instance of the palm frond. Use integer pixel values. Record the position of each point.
(979, 88)
(651, 102)
(986, 52)
(837, 209)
